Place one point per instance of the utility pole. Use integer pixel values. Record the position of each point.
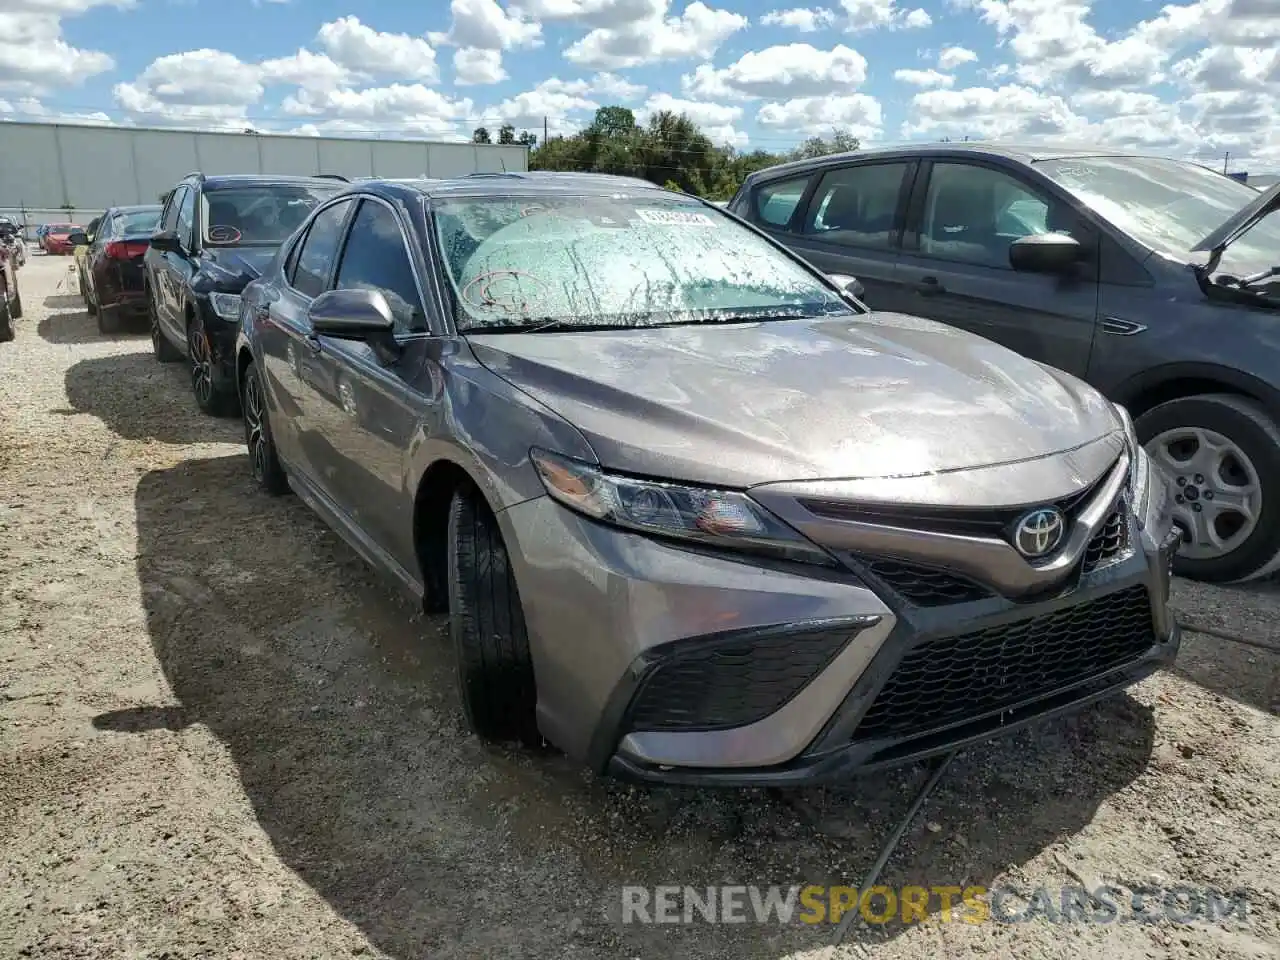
(544, 128)
(1225, 158)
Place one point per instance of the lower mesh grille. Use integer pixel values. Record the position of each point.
(925, 586)
(1108, 543)
(953, 679)
(733, 683)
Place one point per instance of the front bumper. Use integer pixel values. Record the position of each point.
(669, 665)
(222, 342)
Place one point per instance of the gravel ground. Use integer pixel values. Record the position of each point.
(221, 736)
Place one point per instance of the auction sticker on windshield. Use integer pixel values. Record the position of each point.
(677, 218)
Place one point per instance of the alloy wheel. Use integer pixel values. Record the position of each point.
(201, 364)
(255, 437)
(1217, 492)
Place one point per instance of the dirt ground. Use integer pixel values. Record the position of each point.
(221, 736)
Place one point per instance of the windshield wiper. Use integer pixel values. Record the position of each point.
(1243, 283)
(547, 325)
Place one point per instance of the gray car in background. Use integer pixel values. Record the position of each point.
(1151, 279)
(695, 513)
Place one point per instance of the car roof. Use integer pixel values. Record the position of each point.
(524, 183)
(137, 208)
(266, 179)
(1024, 153)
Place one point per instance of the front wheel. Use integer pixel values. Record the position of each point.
(6, 320)
(257, 435)
(486, 621)
(1223, 454)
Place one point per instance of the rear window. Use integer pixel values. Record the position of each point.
(776, 202)
(138, 221)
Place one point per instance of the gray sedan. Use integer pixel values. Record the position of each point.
(696, 514)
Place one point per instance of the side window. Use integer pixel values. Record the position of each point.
(857, 206)
(169, 219)
(291, 261)
(186, 219)
(311, 272)
(972, 214)
(100, 231)
(776, 202)
(375, 258)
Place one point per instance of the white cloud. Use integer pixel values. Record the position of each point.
(34, 55)
(398, 107)
(857, 114)
(790, 70)
(988, 113)
(472, 65)
(924, 78)
(804, 19)
(483, 25)
(196, 86)
(592, 13)
(610, 85)
(697, 32)
(306, 69)
(952, 57)
(358, 47)
(564, 105)
(864, 15)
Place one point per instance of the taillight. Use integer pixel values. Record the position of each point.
(126, 249)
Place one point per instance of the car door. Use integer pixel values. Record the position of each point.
(955, 263)
(371, 390)
(154, 263)
(290, 354)
(103, 230)
(175, 267)
(852, 224)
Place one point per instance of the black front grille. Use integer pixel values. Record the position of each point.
(925, 586)
(732, 683)
(1109, 542)
(949, 680)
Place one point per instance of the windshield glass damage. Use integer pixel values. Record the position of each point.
(562, 263)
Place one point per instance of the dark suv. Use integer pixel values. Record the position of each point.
(215, 235)
(1152, 279)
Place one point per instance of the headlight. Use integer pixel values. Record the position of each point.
(225, 305)
(721, 518)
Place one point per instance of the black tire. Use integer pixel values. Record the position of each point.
(1247, 425)
(15, 309)
(108, 320)
(6, 320)
(161, 348)
(495, 671)
(89, 304)
(258, 440)
(212, 399)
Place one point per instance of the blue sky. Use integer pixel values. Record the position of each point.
(1191, 77)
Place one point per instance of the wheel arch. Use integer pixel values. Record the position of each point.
(1176, 381)
(436, 487)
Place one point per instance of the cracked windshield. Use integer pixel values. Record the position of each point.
(592, 263)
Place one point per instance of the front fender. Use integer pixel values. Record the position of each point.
(1168, 375)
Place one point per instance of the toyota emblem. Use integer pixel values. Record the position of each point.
(1039, 532)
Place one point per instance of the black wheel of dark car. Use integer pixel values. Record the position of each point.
(90, 305)
(209, 398)
(486, 620)
(15, 309)
(257, 436)
(6, 320)
(164, 351)
(1223, 454)
(108, 319)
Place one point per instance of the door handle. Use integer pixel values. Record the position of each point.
(929, 287)
(314, 343)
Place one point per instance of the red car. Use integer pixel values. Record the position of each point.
(57, 239)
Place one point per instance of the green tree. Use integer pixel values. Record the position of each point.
(506, 133)
(613, 122)
(481, 135)
(528, 139)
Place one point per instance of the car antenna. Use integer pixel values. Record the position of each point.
(936, 768)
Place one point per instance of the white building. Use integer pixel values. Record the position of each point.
(56, 172)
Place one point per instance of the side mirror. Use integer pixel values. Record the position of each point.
(166, 241)
(1045, 253)
(351, 314)
(850, 285)
(78, 240)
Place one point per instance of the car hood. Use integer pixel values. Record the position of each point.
(232, 267)
(872, 396)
